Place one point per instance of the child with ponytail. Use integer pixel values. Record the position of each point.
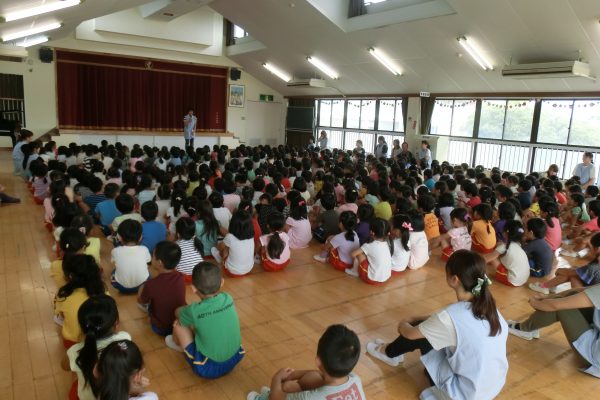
(419, 246)
(512, 266)
(85, 224)
(121, 373)
(297, 224)
(549, 213)
(175, 211)
(401, 227)
(482, 233)
(459, 237)
(72, 241)
(275, 247)
(98, 319)
(338, 249)
(373, 260)
(236, 251)
(460, 369)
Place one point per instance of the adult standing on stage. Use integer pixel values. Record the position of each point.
(189, 128)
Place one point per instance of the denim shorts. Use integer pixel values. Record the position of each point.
(207, 368)
(161, 331)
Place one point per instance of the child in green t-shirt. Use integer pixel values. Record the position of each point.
(208, 331)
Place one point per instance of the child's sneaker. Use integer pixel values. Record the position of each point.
(535, 334)
(319, 258)
(215, 253)
(58, 320)
(252, 396)
(568, 253)
(539, 287)
(373, 350)
(170, 342)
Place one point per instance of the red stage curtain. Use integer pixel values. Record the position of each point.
(121, 93)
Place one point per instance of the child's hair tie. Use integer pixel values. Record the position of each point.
(520, 230)
(178, 198)
(407, 225)
(467, 217)
(122, 345)
(82, 229)
(480, 282)
(301, 202)
(67, 246)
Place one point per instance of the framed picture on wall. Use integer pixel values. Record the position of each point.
(236, 95)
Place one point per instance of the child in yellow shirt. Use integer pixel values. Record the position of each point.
(483, 234)
(426, 204)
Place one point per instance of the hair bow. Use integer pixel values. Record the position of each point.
(467, 217)
(122, 345)
(82, 229)
(407, 225)
(520, 230)
(480, 282)
(301, 202)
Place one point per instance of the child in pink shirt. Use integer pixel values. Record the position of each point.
(549, 212)
(297, 224)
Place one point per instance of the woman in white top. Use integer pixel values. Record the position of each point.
(323, 140)
(463, 346)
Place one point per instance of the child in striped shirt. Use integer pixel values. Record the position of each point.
(190, 245)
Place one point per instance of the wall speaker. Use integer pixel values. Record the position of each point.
(46, 55)
(235, 74)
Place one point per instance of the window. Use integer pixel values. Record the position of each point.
(585, 124)
(367, 114)
(514, 158)
(453, 118)
(555, 121)
(353, 116)
(369, 2)
(337, 113)
(325, 113)
(459, 152)
(390, 115)
(334, 138)
(239, 32)
(491, 122)
(506, 119)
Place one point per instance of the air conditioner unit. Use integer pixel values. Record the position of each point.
(560, 69)
(13, 51)
(307, 83)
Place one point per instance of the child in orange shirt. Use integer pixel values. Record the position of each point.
(482, 232)
(426, 204)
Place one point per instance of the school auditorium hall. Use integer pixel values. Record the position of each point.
(299, 199)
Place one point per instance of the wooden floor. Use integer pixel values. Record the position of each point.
(282, 317)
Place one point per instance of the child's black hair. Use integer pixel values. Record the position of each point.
(124, 203)
(538, 227)
(97, 317)
(72, 240)
(402, 223)
(594, 208)
(328, 201)
(241, 226)
(381, 230)
(206, 278)
(149, 210)
(416, 220)
(169, 253)
(506, 211)
(119, 361)
(338, 350)
(461, 214)
(549, 207)
(186, 229)
(111, 190)
(81, 271)
(276, 244)
(349, 221)
(446, 200)
(297, 206)
(426, 203)
(485, 212)
(365, 212)
(513, 232)
(130, 231)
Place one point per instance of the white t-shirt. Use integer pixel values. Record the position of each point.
(344, 246)
(380, 260)
(131, 265)
(516, 262)
(223, 215)
(419, 250)
(351, 389)
(439, 330)
(163, 206)
(241, 254)
(300, 233)
(401, 256)
(107, 161)
(445, 216)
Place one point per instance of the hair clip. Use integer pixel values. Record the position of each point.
(178, 198)
(407, 225)
(122, 345)
(82, 229)
(480, 282)
(301, 202)
(520, 230)
(467, 217)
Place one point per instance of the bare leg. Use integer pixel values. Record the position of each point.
(562, 275)
(182, 335)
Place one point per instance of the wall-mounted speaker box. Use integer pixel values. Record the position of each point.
(235, 74)
(46, 55)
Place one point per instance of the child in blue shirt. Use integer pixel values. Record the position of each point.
(106, 210)
(152, 230)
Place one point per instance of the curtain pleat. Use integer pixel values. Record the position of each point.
(427, 106)
(356, 8)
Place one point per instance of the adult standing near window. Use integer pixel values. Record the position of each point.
(396, 149)
(359, 150)
(381, 150)
(586, 171)
(189, 128)
(425, 154)
(405, 157)
(323, 140)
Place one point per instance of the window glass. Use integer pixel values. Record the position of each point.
(353, 114)
(459, 152)
(368, 140)
(491, 123)
(367, 114)
(441, 119)
(386, 115)
(554, 121)
(337, 113)
(238, 32)
(399, 118)
(519, 118)
(585, 128)
(463, 118)
(488, 154)
(325, 113)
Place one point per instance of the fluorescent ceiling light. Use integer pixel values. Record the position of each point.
(277, 72)
(475, 53)
(383, 59)
(31, 31)
(323, 67)
(42, 9)
(32, 42)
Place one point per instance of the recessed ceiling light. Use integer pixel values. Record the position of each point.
(475, 53)
(323, 67)
(41, 9)
(277, 72)
(31, 31)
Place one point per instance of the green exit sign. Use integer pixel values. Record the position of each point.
(266, 97)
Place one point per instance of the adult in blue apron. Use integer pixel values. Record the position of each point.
(463, 346)
(578, 312)
(586, 171)
(189, 128)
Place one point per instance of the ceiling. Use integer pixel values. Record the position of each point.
(508, 31)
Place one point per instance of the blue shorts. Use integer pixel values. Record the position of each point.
(121, 288)
(207, 368)
(535, 271)
(589, 274)
(160, 331)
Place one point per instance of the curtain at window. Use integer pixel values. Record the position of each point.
(118, 93)
(427, 106)
(405, 111)
(356, 8)
(11, 86)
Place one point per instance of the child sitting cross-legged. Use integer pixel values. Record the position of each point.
(326, 222)
(208, 331)
(338, 249)
(275, 247)
(162, 295)
(153, 231)
(401, 227)
(373, 260)
(587, 275)
(131, 259)
(338, 352)
(236, 251)
(511, 265)
(190, 245)
(459, 237)
(538, 250)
